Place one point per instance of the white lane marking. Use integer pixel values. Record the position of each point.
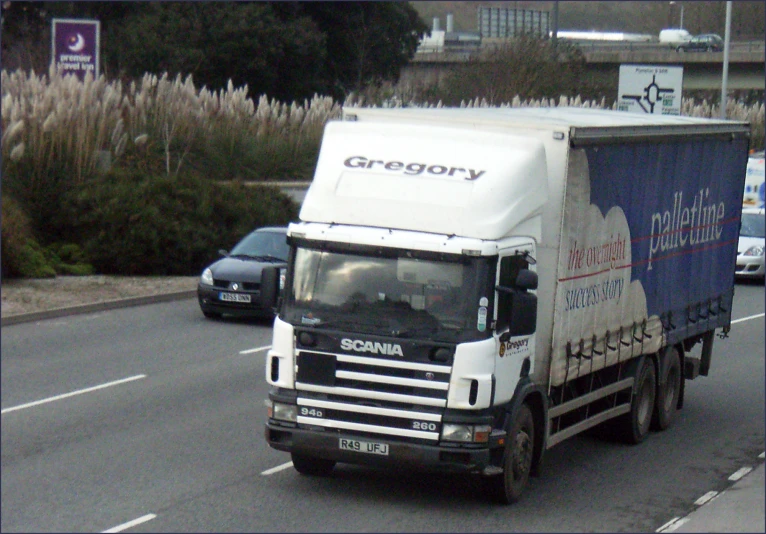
(129, 524)
(277, 468)
(740, 473)
(748, 318)
(72, 394)
(666, 525)
(673, 524)
(709, 496)
(676, 522)
(258, 349)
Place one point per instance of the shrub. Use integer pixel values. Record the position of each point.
(160, 225)
(34, 262)
(15, 236)
(68, 259)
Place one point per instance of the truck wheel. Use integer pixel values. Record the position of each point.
(666, 404)
(308, 465)
(634, 425)
(508, 487)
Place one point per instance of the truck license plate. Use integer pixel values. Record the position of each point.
(234, 297)
(369, 447)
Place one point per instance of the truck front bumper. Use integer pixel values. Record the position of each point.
(326, 445)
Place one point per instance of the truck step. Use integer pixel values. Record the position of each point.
(492, 470)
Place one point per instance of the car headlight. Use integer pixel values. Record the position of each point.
(466, 433)
(207, 277)
(756, 250)
(283, 412)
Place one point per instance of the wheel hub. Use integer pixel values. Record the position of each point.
(522, 454)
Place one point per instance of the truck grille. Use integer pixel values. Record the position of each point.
(372, 396)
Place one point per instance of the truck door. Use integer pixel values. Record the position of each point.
(511, 352)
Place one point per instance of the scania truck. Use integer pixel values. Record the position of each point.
(467, 288)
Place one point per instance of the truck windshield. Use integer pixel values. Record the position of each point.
(390, 295)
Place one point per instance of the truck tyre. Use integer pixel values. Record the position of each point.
(519, 453)
(634, 425)
(308, 465)
(668, 390)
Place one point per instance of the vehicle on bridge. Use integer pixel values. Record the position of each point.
(674, 36)
(709, 42)
(467, 288)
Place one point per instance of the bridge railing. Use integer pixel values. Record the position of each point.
(433, 52)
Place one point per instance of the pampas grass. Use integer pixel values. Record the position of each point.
(55, 122)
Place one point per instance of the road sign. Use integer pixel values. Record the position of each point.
(653, 89)
(75, 46)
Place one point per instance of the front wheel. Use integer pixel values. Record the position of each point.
(519, 453)
(309, 465)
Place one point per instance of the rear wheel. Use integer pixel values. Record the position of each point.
(634, 425)
(508, 487)
(309, 465)
(668, 390)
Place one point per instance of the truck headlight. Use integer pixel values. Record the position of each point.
(282, 412)
(754, 251)
(207, 277)
(466, 433)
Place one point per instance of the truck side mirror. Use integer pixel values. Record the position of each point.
(526, 279)
(269, 287)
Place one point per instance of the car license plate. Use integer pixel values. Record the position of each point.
(369, 447)
(234, 297)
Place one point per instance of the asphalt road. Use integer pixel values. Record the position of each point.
(178, 445)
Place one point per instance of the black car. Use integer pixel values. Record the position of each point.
(246, 281)
(708, 42)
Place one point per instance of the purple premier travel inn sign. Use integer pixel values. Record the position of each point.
(75, 46)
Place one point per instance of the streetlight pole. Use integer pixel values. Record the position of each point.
(726, 43)
(681, 24)
(670, 15)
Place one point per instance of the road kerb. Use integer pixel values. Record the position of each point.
(96, 307)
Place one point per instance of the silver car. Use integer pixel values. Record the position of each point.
(751, 244)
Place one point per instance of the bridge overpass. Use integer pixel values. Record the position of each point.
(702, 70)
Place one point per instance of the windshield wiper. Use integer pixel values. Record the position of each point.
(246, 257)
(271, 258)
(257, 257)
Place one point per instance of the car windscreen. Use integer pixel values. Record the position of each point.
(753, 225)
(263, 244)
